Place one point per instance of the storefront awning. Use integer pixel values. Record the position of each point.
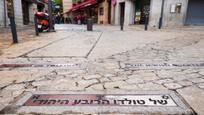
(37, 1)
(88, 3)
(83, 5)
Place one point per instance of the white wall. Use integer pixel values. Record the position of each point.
(32, 9)
(1, 13)
(129, 12)
(18, 12)
(175, 19)
(155, 12)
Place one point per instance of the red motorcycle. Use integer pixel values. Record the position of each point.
(42, 21)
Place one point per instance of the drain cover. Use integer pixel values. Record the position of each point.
(131, 102)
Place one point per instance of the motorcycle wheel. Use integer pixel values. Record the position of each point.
(40, 29)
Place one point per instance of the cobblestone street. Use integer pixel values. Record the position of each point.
(72, 59)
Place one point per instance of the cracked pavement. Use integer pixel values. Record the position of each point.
(100, 53)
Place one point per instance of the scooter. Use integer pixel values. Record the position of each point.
(42, 21)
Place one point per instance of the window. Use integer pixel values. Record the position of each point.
(101, 11)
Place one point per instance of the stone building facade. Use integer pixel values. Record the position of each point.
(175, 12)
(67, 5)
(104, 12)
(23, 12)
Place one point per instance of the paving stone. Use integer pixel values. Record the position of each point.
(194, 96)
(127, 73)
(149, 78)
(41, 83)
(108, 75)
(165, 74)
(193, 75)
(133, 76)
(202, 72)
(162, 81)
(72, 75)
(191, 71)
(15, 87)
(118, 78)
(196, 80)
(114, 85)
(64, 72)
(17, 92)
(80, 72)
(104, 79)
(95, 87)
(110, 65)
(87, 77)
(130, 87)
(147, 74)
(87, 83)
(151, 86)
(134, 80)
(180, 77)
(13, 76)
(201, 85)
(172, 85)
(185, 83)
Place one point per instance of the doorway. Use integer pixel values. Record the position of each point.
(109, 11)
(195, 15)
(122, 12)
(141, 7)
(25, 8)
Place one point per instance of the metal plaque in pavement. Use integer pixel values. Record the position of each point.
(66, 65)
(132, 65)
(100, 102)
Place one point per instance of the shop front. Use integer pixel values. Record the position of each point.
(84, 10)
(142, 8)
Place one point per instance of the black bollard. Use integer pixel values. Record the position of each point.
(121, 27)
(146, 22)
(13, 29)
(36, 25)
(121, 24)
(89, 24)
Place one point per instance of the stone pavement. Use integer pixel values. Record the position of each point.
(100, 54)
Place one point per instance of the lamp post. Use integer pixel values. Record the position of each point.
(51, 26)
